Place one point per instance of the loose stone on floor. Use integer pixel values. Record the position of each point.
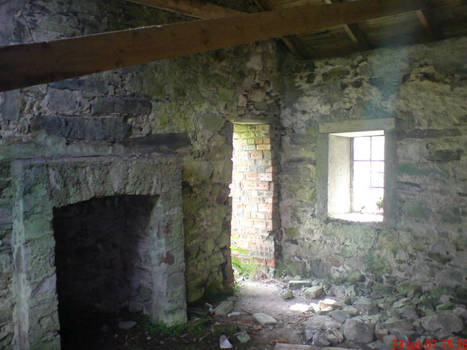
(345, 317)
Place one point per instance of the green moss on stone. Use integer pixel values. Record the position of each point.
(163, 119)
(452, 215)
(409, 289)
(439, 258)
(415, 210)
(292, 232)
(461, 292)
(52, 344)
(355, 276)
(290, 268)
(217, 290)
(302, 192)
(197, 172)
(313, 132)
(430, 299)
(376, 264)
(195, 284)
(418, 245)
(382, 289)
(212, 122)
(337, 73)
(443, 307)
(420, 170)
(225, 94)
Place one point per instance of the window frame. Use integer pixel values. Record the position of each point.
(325, 130)
(371, 161)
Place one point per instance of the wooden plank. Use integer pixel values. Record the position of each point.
(203, 10)
(191, 8)
(297, 47)
(358, 36)
(355, 33)
(293, 43)
(36, 63)
(428, 24)
(428, 3)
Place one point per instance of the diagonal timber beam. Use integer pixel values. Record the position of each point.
(358, 36)
(293, 43)
(192, 8)
(30, 64)
(428, 24)
(355, 33)
(428, 3)
(202, 10)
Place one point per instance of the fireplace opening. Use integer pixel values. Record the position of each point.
(103, 265)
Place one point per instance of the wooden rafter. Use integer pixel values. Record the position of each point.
(31, 64)
(291, 42)
(355, 33)
(191, 8)
(427, 3)
(428, 24)
(202, 10)
(358, 36)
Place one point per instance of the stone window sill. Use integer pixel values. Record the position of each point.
(358, 217)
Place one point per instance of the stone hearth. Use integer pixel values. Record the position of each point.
(128, 217)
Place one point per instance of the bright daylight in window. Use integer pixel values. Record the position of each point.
(356, 176)
(368, 174)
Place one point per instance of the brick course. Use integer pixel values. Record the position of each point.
(253, 196)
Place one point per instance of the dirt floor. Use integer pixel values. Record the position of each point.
(204, 329)
(264, 296)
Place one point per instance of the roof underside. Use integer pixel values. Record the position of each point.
(447, 20)
(310, 29)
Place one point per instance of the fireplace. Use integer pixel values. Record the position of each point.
(94, 237)
(103, 264)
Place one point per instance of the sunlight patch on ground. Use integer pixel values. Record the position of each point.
(299, 307)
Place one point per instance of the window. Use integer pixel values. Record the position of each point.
(368, 174)
(354, 179)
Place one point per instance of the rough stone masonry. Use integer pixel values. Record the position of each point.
(128, 112)
(198, 97)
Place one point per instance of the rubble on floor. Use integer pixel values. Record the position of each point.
(341, 317)
(355, 317)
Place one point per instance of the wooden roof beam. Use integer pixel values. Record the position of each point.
(428, 3)
(358, 36)
(203, 10)
(35, 63)
(355, 33)
(291, 42)
(192, 8)
(428, 24)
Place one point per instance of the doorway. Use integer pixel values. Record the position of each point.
(254, 198)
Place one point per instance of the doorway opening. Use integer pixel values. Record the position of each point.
(254, 200)
(103, 264)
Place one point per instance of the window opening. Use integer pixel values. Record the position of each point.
(356, 176)
(368, 174)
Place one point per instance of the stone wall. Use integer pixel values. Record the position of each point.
(254, 195)
(6, 258)
(423, 87)
(183, 105)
